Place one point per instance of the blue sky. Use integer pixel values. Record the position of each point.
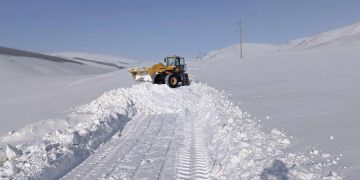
(150, 29)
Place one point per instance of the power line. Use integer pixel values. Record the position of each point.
(240, 31)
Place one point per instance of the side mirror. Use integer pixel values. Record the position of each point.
(164, 59)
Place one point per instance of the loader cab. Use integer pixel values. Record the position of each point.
(175, 61)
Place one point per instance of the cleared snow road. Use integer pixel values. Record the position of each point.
(164, 146)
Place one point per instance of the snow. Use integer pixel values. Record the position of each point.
(3, 156)
(331, 38)
(207, 125)
(250, 49)
(45, 89)
(121, 61)
(10, 169)
(215, 136)
(12, 152)
(309, 88)
(309, 92)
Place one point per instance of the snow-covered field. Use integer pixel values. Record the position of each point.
(286, 111)
(34, 89)
(309, 88)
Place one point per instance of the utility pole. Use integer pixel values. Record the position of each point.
(240, 31)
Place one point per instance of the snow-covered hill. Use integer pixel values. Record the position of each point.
(43, 86)
(96, 59)
(25, 67)
(249, 49)
(29, 54)
(345, 35)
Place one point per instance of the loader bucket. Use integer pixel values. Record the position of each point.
(140, 74)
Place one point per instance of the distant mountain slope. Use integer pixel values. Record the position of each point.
(28, 67)
(27, 64)
(15, 63)
(34, 88)
(338, 36)
(22, 53)
(96, 59)
(349, 35)
(99, 62)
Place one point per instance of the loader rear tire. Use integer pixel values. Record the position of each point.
(171, 80)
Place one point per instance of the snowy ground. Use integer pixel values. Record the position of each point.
(309, 88)
(43, 89)
(154, 131)
(302, 97)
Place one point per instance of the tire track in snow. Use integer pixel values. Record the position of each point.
(193, 157)
(138, 153)
(129, 164)
(108, 152)
(152, 165)
(108, 167)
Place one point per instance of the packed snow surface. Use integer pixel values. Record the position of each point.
(153, 131)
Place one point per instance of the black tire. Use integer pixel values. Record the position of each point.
(171, 80)
(158, 79)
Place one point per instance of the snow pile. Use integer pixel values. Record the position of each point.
(333, 37)
(12, 152)
(238, 147)
(60, 151)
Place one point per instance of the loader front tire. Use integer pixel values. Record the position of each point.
(171, 80)
(186, 81)
(158, 79)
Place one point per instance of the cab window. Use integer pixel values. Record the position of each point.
(170, 61)
(182, 61)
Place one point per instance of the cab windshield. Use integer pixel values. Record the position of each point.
(171, 61)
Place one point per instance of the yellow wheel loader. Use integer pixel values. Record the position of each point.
(172, 72)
